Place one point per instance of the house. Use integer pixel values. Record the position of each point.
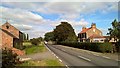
(11, 37)
(92, 34)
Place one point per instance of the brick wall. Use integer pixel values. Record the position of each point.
(11, 29)
(93, 31)
(7, 40)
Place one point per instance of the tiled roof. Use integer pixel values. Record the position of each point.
(85, 30)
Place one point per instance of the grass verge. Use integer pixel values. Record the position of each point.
(45, 62)
(30, 49)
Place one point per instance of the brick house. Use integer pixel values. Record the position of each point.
(92, 34)
(11, 37)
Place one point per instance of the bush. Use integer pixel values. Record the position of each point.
(8, 58)
(35, 41)
(105, 47)
(98, 47)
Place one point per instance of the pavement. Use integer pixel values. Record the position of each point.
(38, 56)
(78, 57)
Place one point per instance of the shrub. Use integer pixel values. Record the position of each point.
(35, 41)
(105, 47)
(98, 47)
(8, 58)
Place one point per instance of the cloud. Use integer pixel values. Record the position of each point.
(20, 15)
(66, 10)
(23, 27)
(24, 20)
(82, 22)
(60, 0)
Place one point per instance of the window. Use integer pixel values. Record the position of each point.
(7, 27)
(93, 30)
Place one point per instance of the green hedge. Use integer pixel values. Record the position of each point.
(98, 47)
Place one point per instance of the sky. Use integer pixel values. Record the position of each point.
(36, 17)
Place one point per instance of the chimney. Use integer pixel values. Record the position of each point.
(83, 28)
(93, 25)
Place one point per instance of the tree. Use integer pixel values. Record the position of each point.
(27, 37)
(24, 36)
(35, 41)
(40, 39)
(64, 32)
(49, 36)
(114, 32)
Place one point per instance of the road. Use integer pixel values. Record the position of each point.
(74, 58)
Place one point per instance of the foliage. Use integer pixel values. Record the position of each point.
(24, 36)
(40, 39)
(49, 36)
(35, 41)
(64, 32)
(115, 31)
(8, 58)
(27, 37)
(98, 47)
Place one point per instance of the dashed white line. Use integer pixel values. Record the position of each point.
(60, 60)
(96, 54)
(106, 57)
(55, 56)
(67, 66)
(84, 58)
(63, 49)
(117, 60)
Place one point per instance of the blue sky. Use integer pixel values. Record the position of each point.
(37, 18)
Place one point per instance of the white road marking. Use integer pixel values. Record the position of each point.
(117, 60)
(106, 57)
(63, 49)
(55, 55)
(60, 60)
(96, 54)
(67, 66)
(84, 58)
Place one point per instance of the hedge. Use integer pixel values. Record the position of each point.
(98, 47)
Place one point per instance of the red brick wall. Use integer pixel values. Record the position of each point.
(11, 29)
(91, 32)
(7, 41)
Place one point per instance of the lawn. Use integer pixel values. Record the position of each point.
(30, 49)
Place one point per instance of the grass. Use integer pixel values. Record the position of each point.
(27, 44)
(30, 49)
(45, 62)
(53, 62)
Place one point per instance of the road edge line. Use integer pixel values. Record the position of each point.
(56, 56)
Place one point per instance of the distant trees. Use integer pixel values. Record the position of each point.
(114, 32)
(25, 37)
(64, 32)
(49, 36)
(36, 41)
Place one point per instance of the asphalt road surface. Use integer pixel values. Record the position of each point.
(74, 58)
